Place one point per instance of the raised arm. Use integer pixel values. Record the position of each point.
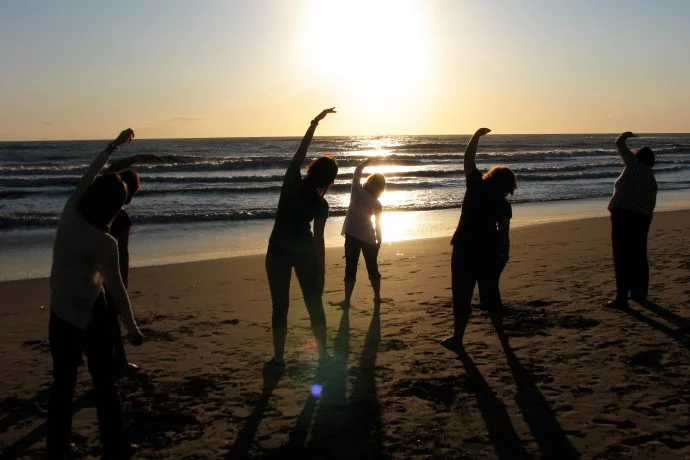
(97, 164)
(319, 248)
(471, 152)
(126, 162)
(306, 140)
(357, 174)
(623, 149)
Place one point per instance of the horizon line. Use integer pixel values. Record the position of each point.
(344, 135)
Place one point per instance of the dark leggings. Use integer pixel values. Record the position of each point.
(67, 344)
(279, 263)
(353, 247)
(629, 232)
(470, 268)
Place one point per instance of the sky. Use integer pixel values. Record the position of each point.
(79, 69)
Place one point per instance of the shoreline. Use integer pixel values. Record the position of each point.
(180, 243)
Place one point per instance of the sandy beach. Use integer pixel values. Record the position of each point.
(578, 381)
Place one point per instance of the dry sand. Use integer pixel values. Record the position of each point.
(578, 381)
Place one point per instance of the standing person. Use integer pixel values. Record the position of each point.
(360, 234)
(120, 230)
(481, 243)
(84, 257)
(631, 208)
(292, 243)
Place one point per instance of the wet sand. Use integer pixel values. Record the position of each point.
(576, 380)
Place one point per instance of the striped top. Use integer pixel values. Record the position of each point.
(635, 189)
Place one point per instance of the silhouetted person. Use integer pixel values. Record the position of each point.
(292, 243)
(84, 257)
(481, 243)
(360, 234)
(631, 207)
(120, 230)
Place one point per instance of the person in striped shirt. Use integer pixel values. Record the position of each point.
(631, 208)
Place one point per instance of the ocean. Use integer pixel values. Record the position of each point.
(213, 198)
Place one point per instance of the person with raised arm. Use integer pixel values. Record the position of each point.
(85, 257)
(360, 234)
(631, 207)
(292, 243)
(481, 242)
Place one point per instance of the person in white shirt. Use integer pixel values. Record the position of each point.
(632, 206)
(85, 257)
(360, 234)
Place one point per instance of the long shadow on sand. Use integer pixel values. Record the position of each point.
(506, 441)
(543, 423)
(243, 442)
(677, 335)
(330, 426)
(19, 447)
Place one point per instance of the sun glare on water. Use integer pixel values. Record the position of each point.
(373, 51)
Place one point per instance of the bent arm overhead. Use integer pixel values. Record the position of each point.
(97, 164)
(623, 149)
(469, 163)
(301, 152)
(357, 174)
(125, 163)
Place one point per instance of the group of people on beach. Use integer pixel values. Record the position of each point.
(89, 274)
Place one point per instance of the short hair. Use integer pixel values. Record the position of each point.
(131, 178)
(375, 184)
(323, 170)
(645, 155)
(503, 178)
(103, 200)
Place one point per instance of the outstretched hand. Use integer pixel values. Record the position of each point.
(365, 162)
(323, 114)
(482, 131)
(626, 135)
(125, 136)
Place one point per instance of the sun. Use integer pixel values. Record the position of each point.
(373, 52)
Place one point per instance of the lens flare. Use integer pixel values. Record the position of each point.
(316, 390)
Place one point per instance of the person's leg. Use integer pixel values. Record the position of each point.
(462, 281)
(279, 272)
(66, 346)
(489, 292)
(305, 269)
(639, 286)
(99, 351)
(371, 252)
(621, 255)
(352, 250)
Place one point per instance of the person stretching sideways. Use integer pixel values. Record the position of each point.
(292, 243)
(360, 234)
(481, 243)
(85, 257)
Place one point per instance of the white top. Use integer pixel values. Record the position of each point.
(635, 189)
(85, 257)
(363, 205)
